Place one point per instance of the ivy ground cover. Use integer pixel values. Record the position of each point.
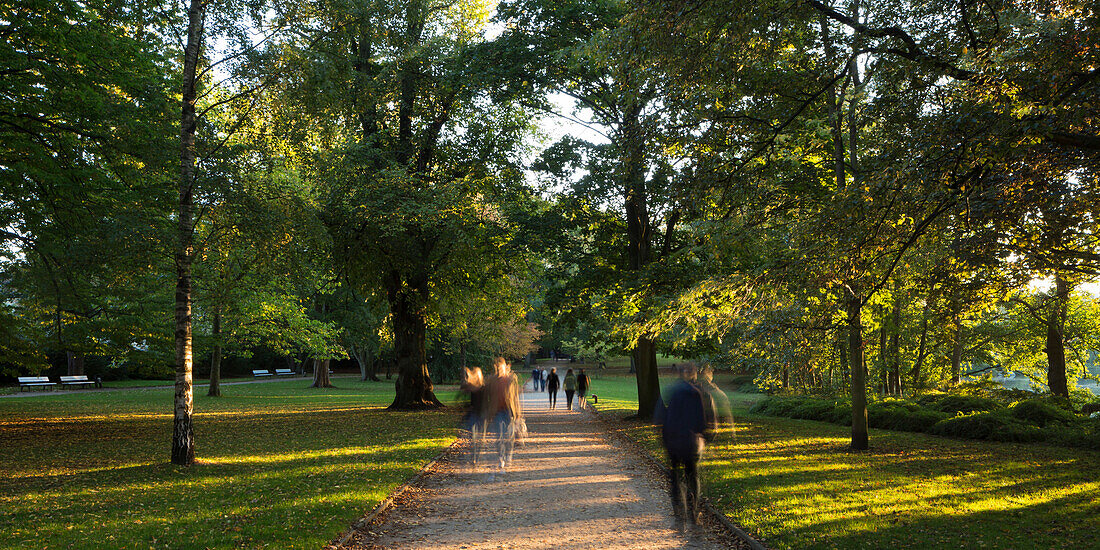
(795, 483)
(279, 465)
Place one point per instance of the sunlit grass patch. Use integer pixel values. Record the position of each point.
(795, 483)
(280, 466)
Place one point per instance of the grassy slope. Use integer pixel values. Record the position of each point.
(280, 465)
(795, 483)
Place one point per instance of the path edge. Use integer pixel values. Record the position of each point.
(654, 461)
(387, 502)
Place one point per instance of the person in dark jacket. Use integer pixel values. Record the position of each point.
(687, 424)
(552, 385)
(583, 384)
(569, 384)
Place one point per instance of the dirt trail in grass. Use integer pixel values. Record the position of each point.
(569, 486)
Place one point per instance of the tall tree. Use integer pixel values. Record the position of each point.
(414, 155)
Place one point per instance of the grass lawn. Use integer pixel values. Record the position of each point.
(280, 465)
(795, 483)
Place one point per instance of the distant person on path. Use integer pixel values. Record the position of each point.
(504, 409)
(536, 374)
(686, 427)
(570, 385)
(582, 389)
(542, 380)
(552, 385)
(473, 384)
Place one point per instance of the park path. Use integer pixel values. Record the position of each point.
(569, 486)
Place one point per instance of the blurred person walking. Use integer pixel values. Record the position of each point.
(552, 385)
(687, 425)
(536, 374)
(473, 384)
(504, 409)
(542, 380)
(723, 414)
(570, 385)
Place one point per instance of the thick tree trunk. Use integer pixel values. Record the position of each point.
(859, 380)
(74, 363)
(215, 389)
(1057, 379)
(649, 387)
(785, 376)
(183, 435)
(320, 374)
(639, 237)
(414, 389)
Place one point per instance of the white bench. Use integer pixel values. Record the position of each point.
(260, 373)
(284, 372)
(32, 382)
(75, 381)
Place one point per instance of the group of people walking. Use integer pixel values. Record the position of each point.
(494, 411)
(690, 413)
(551, 383)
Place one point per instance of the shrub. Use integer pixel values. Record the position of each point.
(812, 409)
(978, 425)
(965, 404)
(905, 417)
(1043, 412)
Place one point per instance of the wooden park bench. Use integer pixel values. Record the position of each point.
(32, 382)
(77, 381)
(284, 372)
(260, 373)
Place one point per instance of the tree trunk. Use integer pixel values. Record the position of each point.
(649, 387)
(883, 359)
(368, 369)
(1056, 342)
(75, 363)
(320, 374)
(859, 380)
(183, 434)
(414, 389)
(215, 389)
(639, 237)
(915, 373)
(785, 375)
(895, 347)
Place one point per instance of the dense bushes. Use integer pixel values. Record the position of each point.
(1031, 420)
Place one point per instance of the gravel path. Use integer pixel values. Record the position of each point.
(569, 487)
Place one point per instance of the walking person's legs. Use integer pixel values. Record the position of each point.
(569, 399)
(675, 476)
(691, 484)
(504, 427)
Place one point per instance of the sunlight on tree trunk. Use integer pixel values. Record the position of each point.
(183, 436)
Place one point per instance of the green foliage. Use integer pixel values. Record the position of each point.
(993, 425)
(795, 483)
(967, 404)
(1035, 420)
(1044, 412)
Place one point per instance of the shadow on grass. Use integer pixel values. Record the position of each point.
(285, 478)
